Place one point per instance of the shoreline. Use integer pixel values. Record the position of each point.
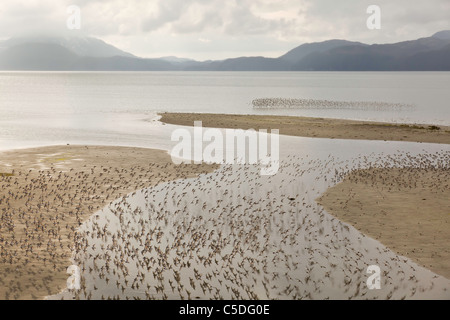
(239, 230)
(408, 218)
(406, 209)
(54, 189)
(316, 127)
(47, 192)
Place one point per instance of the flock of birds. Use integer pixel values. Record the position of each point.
(291, 103)
(229, 234)
(234, 234)
(41, 209)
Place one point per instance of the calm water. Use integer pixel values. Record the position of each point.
(185, 209)
(108, 108)
(120, 109)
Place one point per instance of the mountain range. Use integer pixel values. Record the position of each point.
(90, 54)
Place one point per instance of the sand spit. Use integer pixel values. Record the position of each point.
(316, 127)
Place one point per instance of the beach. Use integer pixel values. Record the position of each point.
(141, 227)
(236, 234)
(47, 192)
(407, 209)
(316, 127)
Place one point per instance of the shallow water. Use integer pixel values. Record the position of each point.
(244, 238)
(270, 247)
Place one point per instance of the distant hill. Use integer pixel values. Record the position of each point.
(436, 60)
(118, 63)
(36, 56)
(54, 57)
(90, 54)
(173, 59)
(377, 57)
(82, 46)
(442, 35)
(242, 64)
(306, 49)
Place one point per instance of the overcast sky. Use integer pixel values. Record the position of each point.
(216, 29)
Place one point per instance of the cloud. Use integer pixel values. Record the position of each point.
(167, 11)
(164, 24)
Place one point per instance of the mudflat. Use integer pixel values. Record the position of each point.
(46, 193)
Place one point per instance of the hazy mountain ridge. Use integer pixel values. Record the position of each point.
(445, 34)
(304, 50)
(54, 57)
(90, 54)
(83, 46)
(242, 64)
(402, 56)
(36, 56)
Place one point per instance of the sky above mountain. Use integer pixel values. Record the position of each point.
(217, 29)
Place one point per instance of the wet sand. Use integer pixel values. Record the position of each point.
(46, 193)
(316, 127)
(235, 234)
(405, 209)
(408, 210)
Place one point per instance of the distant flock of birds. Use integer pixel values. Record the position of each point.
(291, 103)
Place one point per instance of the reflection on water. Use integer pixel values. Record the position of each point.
(234, 234)
(104, 107)
(231, 233)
